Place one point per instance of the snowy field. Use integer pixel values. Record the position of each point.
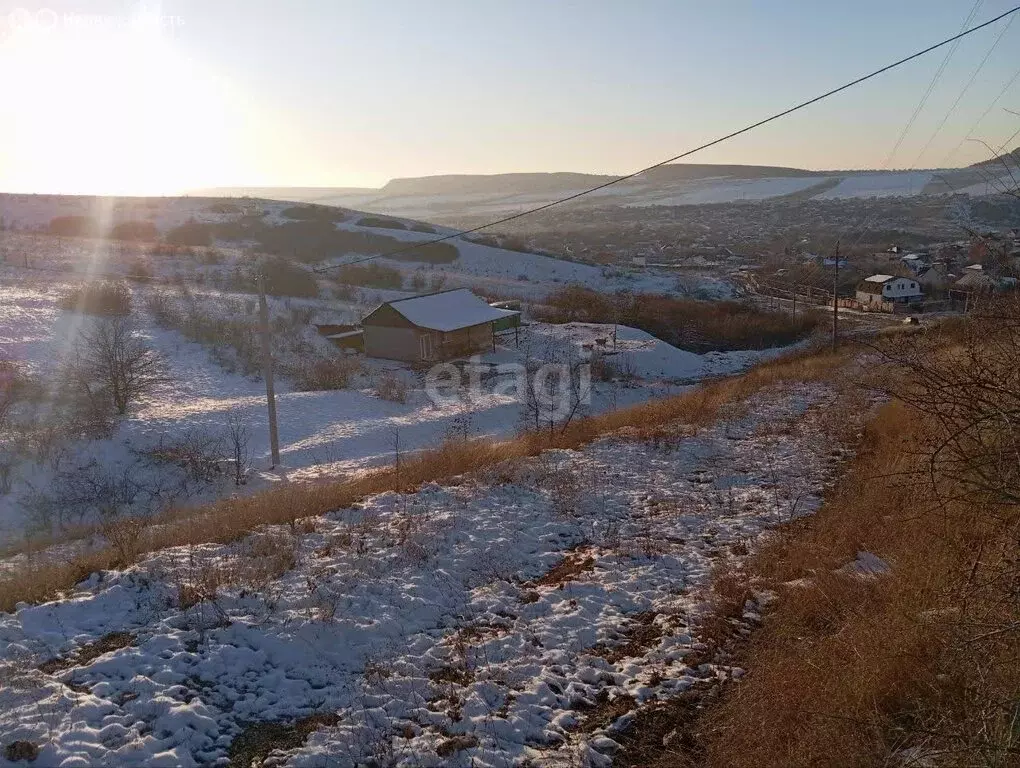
(517, 617)
(323, 434)
(636, 192)
(904, 184)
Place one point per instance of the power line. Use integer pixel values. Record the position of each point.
(931, 86)
(988, 109)
(867, 218)
(966, 87)
(688, 153)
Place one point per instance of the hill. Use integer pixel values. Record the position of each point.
(455, 198)
(1010, 158)
(322, 236)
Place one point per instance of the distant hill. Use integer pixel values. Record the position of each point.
(299, 194)
(501, 183)
(516, 183)
(453, 199)
(1012, 158)
(693, 171)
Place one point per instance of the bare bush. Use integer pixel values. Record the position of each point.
(112, 361)
(698, 326)
(124, 533)
(88, 492)
(326, 374)
(14, 386)
(389, 386)
(197, 453)
(237, 438)
(106, 299)
(8, 463)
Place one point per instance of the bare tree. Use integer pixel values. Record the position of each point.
(238, 435)
(12, 387)
(112, 362)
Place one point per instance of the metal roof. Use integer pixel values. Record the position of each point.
(448, 310)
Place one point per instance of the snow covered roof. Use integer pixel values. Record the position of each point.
(879, 278)
(448, 310)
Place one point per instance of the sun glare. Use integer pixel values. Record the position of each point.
(111, 111)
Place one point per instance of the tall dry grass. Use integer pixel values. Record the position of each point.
(230, 519)
(916, 666)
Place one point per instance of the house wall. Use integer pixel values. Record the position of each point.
(404, 343)
(868, 298)
(392, 343)
(465, 340)
(901, 288)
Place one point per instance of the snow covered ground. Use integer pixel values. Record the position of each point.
(901, 184)
(474, 624)
(322, 434)
(637, 192)
(495, 271)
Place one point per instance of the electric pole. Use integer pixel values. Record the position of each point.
(835, 299)
(267, 370)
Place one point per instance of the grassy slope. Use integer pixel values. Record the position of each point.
(918, 663)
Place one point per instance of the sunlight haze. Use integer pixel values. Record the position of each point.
(162, 98)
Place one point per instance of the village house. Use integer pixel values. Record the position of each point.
(888, 288)
(433, 327)
(935, 279)
(976, 280)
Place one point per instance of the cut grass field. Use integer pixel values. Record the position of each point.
(40, 578)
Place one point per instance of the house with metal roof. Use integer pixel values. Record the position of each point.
(433, 327)
(879, 288)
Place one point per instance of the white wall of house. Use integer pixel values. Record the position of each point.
(901, 288)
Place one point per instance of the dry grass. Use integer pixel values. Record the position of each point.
(854, 670)
(231, 519)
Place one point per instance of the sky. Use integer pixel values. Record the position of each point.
(129, 97)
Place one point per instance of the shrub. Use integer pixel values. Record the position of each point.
(134, 230)
(698, 326)
(433, 253)
(391, 387)
(223, 207)
(14, 387)
(139, 269)
(381, 222)
(317, 239)
(73, 226)
(243, 228)
(190, 233)
(286, 278)
(106, 299)
(371, 276)
(111, 361)
(313, 213)
(327, 374)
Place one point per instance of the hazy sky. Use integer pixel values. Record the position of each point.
(128, 97)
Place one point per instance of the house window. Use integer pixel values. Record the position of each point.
(425, 340)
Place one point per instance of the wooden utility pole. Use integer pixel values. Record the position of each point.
(267, 371)
(835, 300)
